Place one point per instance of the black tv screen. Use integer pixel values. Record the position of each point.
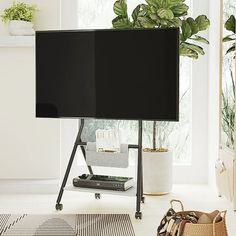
(109, 74)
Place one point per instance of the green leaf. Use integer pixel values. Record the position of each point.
(193, 24)
(228, 38)
(152, 3)
(172, 3)
(230, 24)
(200, 39)
(135, 13)
(165, 13)
(146, 22)
(187, 52)
(144, 9)
(203, 22)
(120, 8)
(160, 3)
(231, 49)
(180, 10)
(164, 23)
(176, 22)
(186, 31)
(194, 47)
(153, 16)
(121, 23)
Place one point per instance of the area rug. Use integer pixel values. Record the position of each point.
(66, 225)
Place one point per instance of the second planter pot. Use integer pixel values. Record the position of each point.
(19, 28)
(157, 172)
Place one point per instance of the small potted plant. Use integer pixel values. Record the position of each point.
(19, 16)
(157, 161)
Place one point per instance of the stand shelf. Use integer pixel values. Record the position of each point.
(130, 192)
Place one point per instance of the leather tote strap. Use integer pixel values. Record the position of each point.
(176, 201)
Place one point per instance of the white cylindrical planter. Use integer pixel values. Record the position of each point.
(157, 172)
(20, 28)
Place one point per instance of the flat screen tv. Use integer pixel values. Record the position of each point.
(109, 74)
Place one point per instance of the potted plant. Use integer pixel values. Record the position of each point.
(19, 16)
(157, 161)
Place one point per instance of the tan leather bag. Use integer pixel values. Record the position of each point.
(203, 224)
(217, 228)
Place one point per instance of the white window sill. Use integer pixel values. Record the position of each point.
(17, 41)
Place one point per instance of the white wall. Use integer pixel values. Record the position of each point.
(29, 147)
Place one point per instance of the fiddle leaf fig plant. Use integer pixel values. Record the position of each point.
(165, 14)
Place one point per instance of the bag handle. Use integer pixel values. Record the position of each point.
(222, 214)
(178, 201)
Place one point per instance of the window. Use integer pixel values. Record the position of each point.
(188, 138)
(176, 136)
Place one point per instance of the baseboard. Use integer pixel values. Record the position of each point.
(9, 186)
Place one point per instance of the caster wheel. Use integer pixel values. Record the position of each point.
(138, 215)
(97, 196)
(143, 199)
(59, 206)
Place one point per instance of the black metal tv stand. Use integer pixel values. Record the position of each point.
(78, 142)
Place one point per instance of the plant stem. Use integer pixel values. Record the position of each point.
(154, 135)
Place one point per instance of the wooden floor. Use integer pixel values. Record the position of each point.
(194, 197)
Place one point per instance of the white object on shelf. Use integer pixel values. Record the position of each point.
(130, 192)
(20, 28)
(17, 41)
(107, 159)
(107, 139)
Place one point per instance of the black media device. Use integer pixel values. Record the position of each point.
(111, 74)
(103, 182)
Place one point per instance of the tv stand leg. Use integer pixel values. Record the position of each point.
(59, 206)
(139, 195)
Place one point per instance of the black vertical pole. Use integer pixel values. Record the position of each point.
(138, 213)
